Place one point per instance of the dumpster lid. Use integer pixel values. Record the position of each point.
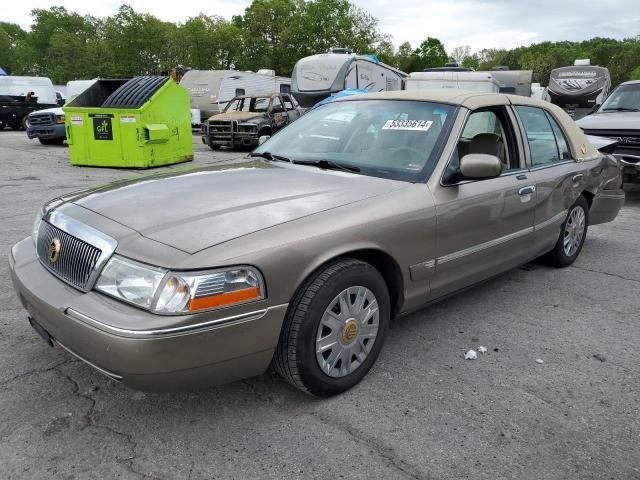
(135, 92)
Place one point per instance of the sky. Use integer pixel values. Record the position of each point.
(477, 23)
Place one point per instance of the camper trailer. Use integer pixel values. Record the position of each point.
(579, 88)
(317, 77)
(514, 82)
(463, 80)
(211, 90)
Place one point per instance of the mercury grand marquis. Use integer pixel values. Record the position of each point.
(362, 210)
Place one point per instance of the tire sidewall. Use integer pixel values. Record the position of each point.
(561, 257)
(314, 379)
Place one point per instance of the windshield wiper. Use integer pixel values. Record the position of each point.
(328, 165)
(621, 109)
(270, 156)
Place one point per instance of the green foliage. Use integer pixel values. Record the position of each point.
(270, 34)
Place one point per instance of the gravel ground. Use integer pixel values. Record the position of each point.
(422, 413)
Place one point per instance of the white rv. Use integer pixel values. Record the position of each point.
(211, 90)
(470, 81)
(317, 77)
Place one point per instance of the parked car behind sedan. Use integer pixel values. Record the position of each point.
(618, 118)
(363, 209)
(47, 126)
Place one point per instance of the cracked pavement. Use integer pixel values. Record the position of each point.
(422, 412)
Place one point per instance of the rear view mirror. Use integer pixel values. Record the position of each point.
(480, 165)
(263, 139)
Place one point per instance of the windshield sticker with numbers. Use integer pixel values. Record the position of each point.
(415, 125)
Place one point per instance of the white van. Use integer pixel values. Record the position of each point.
(470, 81)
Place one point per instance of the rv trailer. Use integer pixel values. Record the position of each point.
(211, 90)
(317, 77)
(579, 88)
(460, 79)
(514, 82)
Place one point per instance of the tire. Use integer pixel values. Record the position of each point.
(51, 141)
(563, 257)
(358, 336)
(2, 125)
(24, 123)
(214, 147)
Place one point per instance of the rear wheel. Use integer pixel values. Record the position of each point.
(25, 122)
(334, 329)
(572, 235)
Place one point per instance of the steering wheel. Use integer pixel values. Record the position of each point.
(407, 155)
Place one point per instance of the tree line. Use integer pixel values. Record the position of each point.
(272, 34)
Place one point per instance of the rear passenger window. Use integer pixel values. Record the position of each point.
(542, 140)
(563, 147)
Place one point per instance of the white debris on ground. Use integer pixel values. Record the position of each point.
(482, 349)
(539, 360)
(471, 355)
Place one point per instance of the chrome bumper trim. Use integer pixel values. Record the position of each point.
(166, 332)
(111, 375)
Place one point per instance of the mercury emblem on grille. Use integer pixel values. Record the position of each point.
(54, 250)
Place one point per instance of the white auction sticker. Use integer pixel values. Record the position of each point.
(416, 125)
(127, 119)
(77, 120)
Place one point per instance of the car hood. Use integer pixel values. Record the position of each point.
(200, 208)
(611, 121)
(55, 111)
(238, 116)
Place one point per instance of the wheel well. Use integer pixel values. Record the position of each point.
(589, 197)
(388, 268)
(265, 131)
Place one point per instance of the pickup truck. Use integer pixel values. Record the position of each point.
(47, 126)
(618, 118)
(247, 118)
(15, 109)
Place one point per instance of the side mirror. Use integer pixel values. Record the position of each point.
(480, 165)
(263, 139)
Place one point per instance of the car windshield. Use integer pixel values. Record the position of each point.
(386, 138)
(625, 97)
(248, 104)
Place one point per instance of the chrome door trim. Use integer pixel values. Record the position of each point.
(560, 216)
(500, 240)
(483, 246)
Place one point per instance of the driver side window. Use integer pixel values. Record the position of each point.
(487, 131)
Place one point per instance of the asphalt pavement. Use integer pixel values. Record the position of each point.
(423, 412)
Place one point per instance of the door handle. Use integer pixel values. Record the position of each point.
(577, 178)
(529, 189)
(521, 177)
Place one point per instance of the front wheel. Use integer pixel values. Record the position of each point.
(334, 329)
(572, 235)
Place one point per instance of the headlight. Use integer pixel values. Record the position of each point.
(179, 292)
(59, 118)
(130, 281)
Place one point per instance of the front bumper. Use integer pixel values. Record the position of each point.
(168, 355)
(47, 132)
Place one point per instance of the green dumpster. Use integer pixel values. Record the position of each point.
(138, 123)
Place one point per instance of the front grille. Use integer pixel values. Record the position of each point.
(628, 140)
(223, 129)
(41, 119)
(76, 261)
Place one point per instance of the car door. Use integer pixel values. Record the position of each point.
(290, 108)
(279, 114)
(559, 179)
(484, 226)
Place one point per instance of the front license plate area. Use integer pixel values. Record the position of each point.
(41, 331)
